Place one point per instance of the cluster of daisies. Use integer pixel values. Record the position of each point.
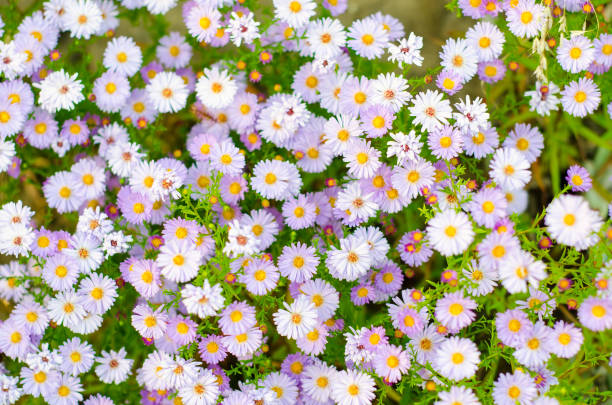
(289, 254)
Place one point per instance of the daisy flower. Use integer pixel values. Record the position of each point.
(459, 56)
(446, 142)
(111, 91)
(526, 139)
(167, 92)
(449, 81)
(173, 51)
(243, 27)
(457, 358)
(123, 56)
(408, 50)
(367, 38)
(82, 18)
(78, 356)
(596, 313)
(362, 159)
(544, 98)
(59, 91)
(509, 169)
(488, 206)
(295, 13)
(455, 311)
(326, 37)
(376, 120)
(513, 326)
(510, 389)
(430, 110)
(98, 293)
(67, 391)
(216, 88)
(391, 362)
(149, 323)
(575, 54)
(295, 320)
(114, 368)
(226, 158)
(526, 19)
(486, 39)
(204, 389)
(316, 381)
(260, 276)
(603, 49)
(578, 178)
(570, 221)
(580, 98)
(351, 387)
(351, 261)
(178, 261)
(534, 352)
(450, 232)
(412, 177)
(203, 21)
(519, 269)
(564, 340)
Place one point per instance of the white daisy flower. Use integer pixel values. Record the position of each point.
(450, 232)
(509, 169)
(59, 91)
(216, 88)
(295, 320)
(295, 13)
(457, 358)
(570, 221)
(82, 18)
(430, 110)
(167, 92)
(122, 55)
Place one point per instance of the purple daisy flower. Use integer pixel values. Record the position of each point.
(181, 330)
(482, 143)
(233, 188)
(578, 178)
(389, 279)
(446, 142)
(237, 318)
(298, 262)
(149, 71)
(362, 294)
(299, 213)
(376, 121)
(374, 338)
(135, 207)
(45, 243)
(596, 313)
(491, 71)
(75, 132)
(222, 378)
(251, 140)
(488, 206)
(455, 312)
(513, 326)
(413, 248)
(180, 229)
(212, 350)
(260, 276)
(504, 225)
(449, 81)
(409, 321)
(294, 365)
